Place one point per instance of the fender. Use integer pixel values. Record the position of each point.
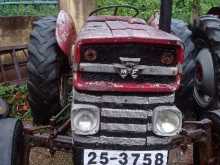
(65, 32)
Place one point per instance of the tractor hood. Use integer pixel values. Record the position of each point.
(125, 28)
(129, 43)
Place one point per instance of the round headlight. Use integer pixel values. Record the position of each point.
(167, 121)
(85, 121)
(90, 55)
(167, 58)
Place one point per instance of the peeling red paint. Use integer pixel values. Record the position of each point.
(80, 84)
(65, 32)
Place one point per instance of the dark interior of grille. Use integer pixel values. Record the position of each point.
(110, 53)
(117, 79)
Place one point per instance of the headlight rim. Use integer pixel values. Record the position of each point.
(90, 108)
(174, 109)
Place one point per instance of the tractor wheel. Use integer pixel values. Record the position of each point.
(11, 142)
(44, 70)
(18, 144)
(181, 30)
(204, 80)
(207, 69)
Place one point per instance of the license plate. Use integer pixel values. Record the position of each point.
(115, 157)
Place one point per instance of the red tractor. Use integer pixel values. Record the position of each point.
(115, 81)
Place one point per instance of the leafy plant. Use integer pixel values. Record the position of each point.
(16, 96)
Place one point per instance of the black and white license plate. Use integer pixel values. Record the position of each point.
(113, 157)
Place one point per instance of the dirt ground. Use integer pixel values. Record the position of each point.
(40, 156)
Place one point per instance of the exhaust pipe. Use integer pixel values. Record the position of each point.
(165, 15)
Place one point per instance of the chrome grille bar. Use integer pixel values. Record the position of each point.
(126, 113)
(137, 128)
(145, 70)
(139, 100)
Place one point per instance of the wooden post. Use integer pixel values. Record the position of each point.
(78, 9)
(196, 9)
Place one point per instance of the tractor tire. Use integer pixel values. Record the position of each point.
(181, 30)
(44, 71)
(209, 31)
(11, 142)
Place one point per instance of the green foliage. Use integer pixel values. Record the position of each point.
(146, 7)
(6, 91)
(16, 96)
(182, 9)
(31, 10)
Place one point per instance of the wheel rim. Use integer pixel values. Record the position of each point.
(202, 99)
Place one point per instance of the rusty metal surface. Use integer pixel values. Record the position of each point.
(13, 63)
(15, 30)
(14, 36)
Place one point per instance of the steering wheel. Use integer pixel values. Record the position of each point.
(116, 7)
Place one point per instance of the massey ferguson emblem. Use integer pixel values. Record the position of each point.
(128, 67)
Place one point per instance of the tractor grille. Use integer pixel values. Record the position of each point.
(110, 53)
(115, 78)
(124, 125)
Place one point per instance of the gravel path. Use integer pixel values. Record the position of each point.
(41, 156)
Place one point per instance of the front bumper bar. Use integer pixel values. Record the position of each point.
(193, 132)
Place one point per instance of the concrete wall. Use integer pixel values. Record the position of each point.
(15, 30)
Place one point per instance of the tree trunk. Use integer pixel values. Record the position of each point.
(196, 10)
(78, 9)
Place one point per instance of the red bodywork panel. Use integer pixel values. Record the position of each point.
(114, 29)
(65, 32)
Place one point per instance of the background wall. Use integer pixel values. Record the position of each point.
(15, 30)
